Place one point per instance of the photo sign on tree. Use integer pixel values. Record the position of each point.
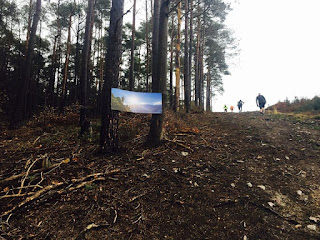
(136, 102)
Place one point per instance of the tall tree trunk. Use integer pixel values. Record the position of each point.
(201, 79)
(111, 79)
(101, 67)
(196, 64)
(177, 92)
(155, 133)
(95, 57)
(90, 68)
(187, 89)
(148, 49)
(155, 40)
(37, 96)
(190, 45)
(171, 63)
(54, 63)
(66, 68)
(208, 93)
(77, 64)
(101, 53)
(52, 73)
(23, 102)
(84, 79)
(131, 77)
(201, 63)
(29, 25)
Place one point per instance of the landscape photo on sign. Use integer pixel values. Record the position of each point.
(136, 102)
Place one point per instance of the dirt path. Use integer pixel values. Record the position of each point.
(218, 176)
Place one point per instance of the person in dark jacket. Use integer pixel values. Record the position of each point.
(261, 102)
(240, 103)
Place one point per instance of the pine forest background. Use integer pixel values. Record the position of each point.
(53, 53)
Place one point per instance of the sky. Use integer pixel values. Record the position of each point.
(279, 42)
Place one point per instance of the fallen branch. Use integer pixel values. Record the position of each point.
(31, 198)
(207, 144)
(95, 175)
(80, 185)
(180, 144)
(24, 187)
(46, 189)
(14, 195)
(32, 172)
(27, 173)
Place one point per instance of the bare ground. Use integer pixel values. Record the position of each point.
(216, 176)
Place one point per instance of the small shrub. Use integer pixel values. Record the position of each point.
(316, 103)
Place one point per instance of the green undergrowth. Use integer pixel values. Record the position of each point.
(308, 119)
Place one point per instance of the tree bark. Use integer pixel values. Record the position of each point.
(155, 133)
(29, 25)
(155, 40)
(190, 45)
(52, 73)
(201, 78)
(171, 63)
(208, 94)
(187, 88)
(84, 79)
(24, 98)
(55, 56)
(111, 78)
(131, 77)
(177, 61)
(76, 90)
(197, 57)
(66, 67)
(148, 49)
(201, 63)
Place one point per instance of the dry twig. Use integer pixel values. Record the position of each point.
(33, 197)
(32, 172)
(116, 216)
(136, 197)
(27, 173)
(180, 144)
(46, 189)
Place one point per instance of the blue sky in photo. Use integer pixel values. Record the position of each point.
(138, 98)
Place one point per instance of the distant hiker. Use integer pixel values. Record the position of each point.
(261, 102)
(225, 108)
(240, 103)
(231, 108)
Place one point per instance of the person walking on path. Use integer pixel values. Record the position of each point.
(240, 103)
(231, 108)
(261, 102)
(225, 108)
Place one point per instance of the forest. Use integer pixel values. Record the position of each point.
(73, 168)
(62, 53)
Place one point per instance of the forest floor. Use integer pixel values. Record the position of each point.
(216, 176)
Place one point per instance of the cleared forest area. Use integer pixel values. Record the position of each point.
(215, 176)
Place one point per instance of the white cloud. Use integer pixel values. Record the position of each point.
(157, 103)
